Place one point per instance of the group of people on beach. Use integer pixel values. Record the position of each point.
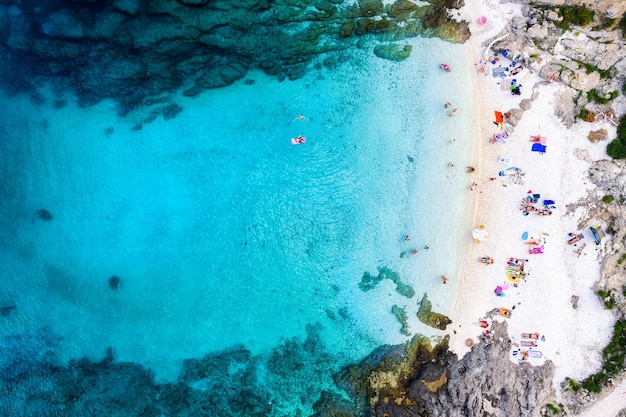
(454, 111)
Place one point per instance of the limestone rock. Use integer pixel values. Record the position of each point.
(525, 104)
(484, 382)
(583, 81)
(564, 106)
(515, 115)
(583, 155)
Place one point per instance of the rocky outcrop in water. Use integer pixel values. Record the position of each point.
(415, 380)
(431, 318)
(138, 52)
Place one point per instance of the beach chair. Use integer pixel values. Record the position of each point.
(538, 147)
(549, 204)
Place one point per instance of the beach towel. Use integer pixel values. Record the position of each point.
(507, 83)
(513, 175)
(538, 147)
(499, 137)
(499, 117)
(538, 139)
(498, 72)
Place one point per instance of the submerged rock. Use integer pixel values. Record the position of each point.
(6, 310)
(369, 281)
(430, 318)
(393, 52)
(402, 317)
(114, 282)
(44, 215)
(131, 50)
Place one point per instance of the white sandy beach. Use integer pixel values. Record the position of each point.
(542, 302)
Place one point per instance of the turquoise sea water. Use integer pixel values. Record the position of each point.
(222, 232)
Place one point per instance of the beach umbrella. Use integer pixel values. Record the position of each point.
(498, 290)
(482, 20)
(480, 234)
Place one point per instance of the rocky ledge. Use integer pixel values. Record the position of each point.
(138, 52)
(417, 380)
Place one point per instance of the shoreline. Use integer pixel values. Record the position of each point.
(554, 277)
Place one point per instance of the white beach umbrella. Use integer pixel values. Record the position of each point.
(480, 234)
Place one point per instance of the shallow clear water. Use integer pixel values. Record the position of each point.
(223, 232)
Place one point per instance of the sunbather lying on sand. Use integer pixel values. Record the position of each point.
(486, 260)
(533, 242)
(574, 239)
(544, 212)
(515, 262)
(527, 207)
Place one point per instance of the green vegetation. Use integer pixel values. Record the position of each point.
(554, 409)
(575, 15)
(617, 148)
(608, 199)
(582, 113)
(604, 74)
(593, 95)
(613, 355)
(605, 23)
(607, 297)
(575, 386)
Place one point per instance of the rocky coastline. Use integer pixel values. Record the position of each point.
(138, 53)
